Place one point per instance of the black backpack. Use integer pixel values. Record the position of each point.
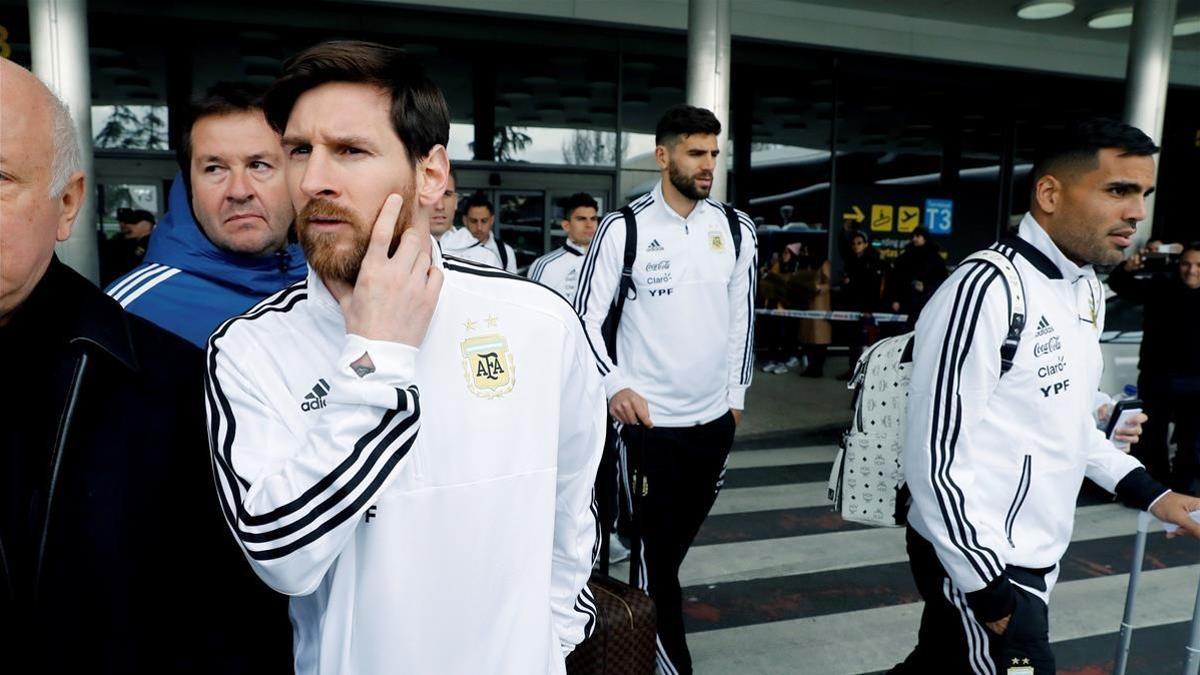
(503, 253)
(626, 290)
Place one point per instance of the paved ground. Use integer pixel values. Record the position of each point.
(777, 583)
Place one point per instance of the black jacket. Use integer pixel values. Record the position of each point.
(922, 264)
(1171, 328)
(115, 557)
(864, 277)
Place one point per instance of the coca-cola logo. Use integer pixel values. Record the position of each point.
(1048, 347)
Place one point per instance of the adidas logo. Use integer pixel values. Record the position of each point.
(654, 247)
(1044, 327)
(315, 399)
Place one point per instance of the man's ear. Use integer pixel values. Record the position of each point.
(433, 172)
(71, 202)
(662, 156)
(1047, 193)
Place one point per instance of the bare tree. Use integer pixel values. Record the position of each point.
(589, 147)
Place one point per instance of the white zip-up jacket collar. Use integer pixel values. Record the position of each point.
(685, 341)
(559, 269)
(436, 515)
(483, 252)
(994, 463)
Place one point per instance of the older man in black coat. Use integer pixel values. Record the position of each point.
(113, 557)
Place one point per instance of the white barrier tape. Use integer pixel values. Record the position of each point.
(880, 317)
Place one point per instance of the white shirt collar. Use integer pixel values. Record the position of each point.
(1031, 231)
(670, 212)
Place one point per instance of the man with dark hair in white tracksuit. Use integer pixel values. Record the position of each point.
(995, 459)
(684, 350)
(404, 443)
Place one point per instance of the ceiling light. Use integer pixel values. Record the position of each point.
(1122, 17)
(1045, 9)
(1187, 26)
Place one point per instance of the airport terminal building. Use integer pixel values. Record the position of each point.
(880, 113)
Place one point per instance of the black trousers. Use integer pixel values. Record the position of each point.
(682, 470)
(952, 641)
(613, 514)
(780, 337)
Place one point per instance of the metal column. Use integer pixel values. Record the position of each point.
(58, 33)
(1146, 75)
(708, 74)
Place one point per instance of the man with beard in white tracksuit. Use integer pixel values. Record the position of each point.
(684, 347)
(404, 444)
(995, 459)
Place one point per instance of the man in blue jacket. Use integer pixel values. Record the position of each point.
(235, 251)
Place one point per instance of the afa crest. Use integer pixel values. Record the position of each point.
(715, 241)
(488, 366)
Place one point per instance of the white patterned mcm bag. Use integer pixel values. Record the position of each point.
(867, 482)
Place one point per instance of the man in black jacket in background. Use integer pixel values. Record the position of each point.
(1169, 381)
(113, 554)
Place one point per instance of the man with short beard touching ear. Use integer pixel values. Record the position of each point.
(409, 541)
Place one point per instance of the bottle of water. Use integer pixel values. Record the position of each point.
(1128, 393)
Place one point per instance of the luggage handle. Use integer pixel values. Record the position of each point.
(637, 485)
(624, 604)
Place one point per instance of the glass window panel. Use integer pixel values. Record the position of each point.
(118, 196)
(559, 109)
(521, 220)
(130, 127)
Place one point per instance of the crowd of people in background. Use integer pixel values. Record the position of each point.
(799, 276)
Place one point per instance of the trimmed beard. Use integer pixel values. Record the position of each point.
(686, 184)
(338, 256)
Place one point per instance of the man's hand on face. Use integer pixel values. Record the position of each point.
(630, 408)
(394, 297)
(1177, 508)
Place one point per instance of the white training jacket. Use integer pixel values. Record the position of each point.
(995, 463)
(559, 269)
(435, 516)
(462, 244)
(685, 341)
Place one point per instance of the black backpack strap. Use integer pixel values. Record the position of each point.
(735, 229)
(503, 253)
(1002, 261)
(626, 284)
(625, 288)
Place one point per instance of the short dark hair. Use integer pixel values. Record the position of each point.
(684, 120)
(419, 113)
(126, 215)
(859, 234)
(1076, 147)
(578, 200)
(223, 98)
(1193, 246)
(477, 198)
